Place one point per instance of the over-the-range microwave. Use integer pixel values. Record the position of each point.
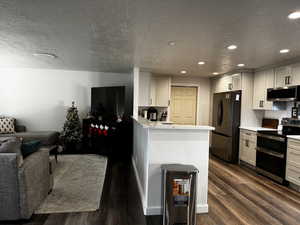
(286, 94)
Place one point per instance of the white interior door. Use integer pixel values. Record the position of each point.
(184, 105)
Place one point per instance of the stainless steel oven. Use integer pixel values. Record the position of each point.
(271, 155)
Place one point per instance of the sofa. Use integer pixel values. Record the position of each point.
(24, 183)
(47, 138)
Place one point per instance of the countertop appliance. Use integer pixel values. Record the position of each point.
(226, 120)
(152, 114)
(291, 93)
(271, 150)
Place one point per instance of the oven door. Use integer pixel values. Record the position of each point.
(271, 164)
(271, 156)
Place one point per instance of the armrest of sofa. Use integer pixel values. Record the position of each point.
(9, 187)
(34, 179)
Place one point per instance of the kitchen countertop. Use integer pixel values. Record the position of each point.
(257, 128)
(164, 125)
(296, 137)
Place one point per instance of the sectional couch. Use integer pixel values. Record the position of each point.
(25, 183)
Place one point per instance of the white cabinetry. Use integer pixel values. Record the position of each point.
(162, 90)
(144, 89)
(262, 81)
(227, 83)
(293, 162)
(296, 73)
(248, 147)
(154, 90)
(283, 76)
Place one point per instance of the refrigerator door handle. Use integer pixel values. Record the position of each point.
(220, 113)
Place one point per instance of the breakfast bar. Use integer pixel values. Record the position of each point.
(157, 143)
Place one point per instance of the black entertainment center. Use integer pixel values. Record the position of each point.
(109, 129)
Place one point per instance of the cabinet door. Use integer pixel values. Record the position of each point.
(258, 90)
(296, 74)
(225, 84)
(236, 80)
(163, 84)
(152, 96)
(144, 89)
(269, 83)
(283, 76)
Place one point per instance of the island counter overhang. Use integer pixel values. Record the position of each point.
(156, 144)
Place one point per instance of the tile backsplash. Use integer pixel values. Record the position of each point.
(280, 114)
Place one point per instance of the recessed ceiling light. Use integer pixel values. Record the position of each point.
(183, 71)
(241, 65)
(215, 73)
(283, 51)
(172, 43)
(294, 15)
(45, 54)
(232, 47)
(201, 63)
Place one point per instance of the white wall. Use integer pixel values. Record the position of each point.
(39, 98)
(203, 96)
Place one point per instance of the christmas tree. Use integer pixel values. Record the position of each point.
(71, 133)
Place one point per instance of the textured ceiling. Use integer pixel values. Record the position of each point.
(115, 35)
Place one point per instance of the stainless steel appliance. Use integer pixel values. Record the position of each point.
(291, 93)
(179, 194)
(271, 150)
(226, 120)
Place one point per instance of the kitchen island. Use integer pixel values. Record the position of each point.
(157, 143)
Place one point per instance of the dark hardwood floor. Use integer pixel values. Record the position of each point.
(236, 196)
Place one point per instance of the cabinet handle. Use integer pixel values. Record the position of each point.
(169, 102)
(285, 80)
(289, 79)
(230, 86)
(262, 104)
(150, 101)
(247, 143)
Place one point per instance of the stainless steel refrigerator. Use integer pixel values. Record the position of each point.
(226, 120)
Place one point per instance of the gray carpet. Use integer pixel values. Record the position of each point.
(78, 184)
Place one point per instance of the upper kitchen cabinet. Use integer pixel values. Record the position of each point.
(227, 83)
(284, 76)
(145, 89)
(162, 90)
(154, 90)
(287, 75)
(262, 81)
(296, 73)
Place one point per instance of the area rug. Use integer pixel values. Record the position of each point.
(78, 184)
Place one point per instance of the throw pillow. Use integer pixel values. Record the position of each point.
(30, 147)
(7, 125)
(12, 145)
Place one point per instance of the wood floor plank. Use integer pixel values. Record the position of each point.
(264, 198)
(245, 210)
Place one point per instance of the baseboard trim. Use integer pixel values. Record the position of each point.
(142, 195)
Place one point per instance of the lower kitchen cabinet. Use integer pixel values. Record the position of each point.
(247, 151)
(293, 162)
